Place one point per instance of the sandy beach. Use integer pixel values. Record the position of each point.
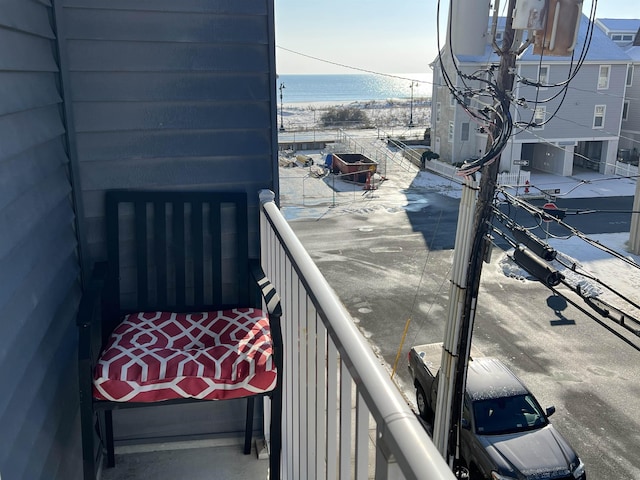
(379, 113)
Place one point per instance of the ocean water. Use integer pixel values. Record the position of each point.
(352, 87)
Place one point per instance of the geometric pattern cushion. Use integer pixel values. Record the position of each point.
(155, 356)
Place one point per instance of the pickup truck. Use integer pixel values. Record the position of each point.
(505, 433)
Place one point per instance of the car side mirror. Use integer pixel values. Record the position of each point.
(551, 410)
(464, 423)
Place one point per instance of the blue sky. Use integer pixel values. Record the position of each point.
(376, 35)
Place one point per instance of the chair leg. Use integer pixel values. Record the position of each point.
(108, 432)
(248, 428)
(88, 432)
(276, 434)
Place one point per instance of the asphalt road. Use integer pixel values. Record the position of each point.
(588, 215)
(389, 267)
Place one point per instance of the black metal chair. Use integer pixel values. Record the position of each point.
(175, 315)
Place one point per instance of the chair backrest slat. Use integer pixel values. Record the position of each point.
(197, 239)
(215, 217)
(160, 253)
(142, 266)
(178, 251)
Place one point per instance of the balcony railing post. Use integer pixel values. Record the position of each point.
(325, 364)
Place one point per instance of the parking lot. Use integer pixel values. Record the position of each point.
(388, 258)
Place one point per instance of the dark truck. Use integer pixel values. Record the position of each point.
(505, 433)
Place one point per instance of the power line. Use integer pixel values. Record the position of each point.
(546, 273)
(517, 201)
(351, 67)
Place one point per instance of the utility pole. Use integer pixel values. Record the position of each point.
(464, 299)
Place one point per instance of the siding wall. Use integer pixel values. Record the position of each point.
(39, 287)
(575, 118)
(631, 126)
(169, 94)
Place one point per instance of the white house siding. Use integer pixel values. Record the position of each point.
(166, 93)
(39, 287)
(442, 112)
(458, 149)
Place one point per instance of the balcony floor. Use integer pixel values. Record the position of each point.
(198, 460)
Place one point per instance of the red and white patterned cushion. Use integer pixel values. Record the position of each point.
(157, 356)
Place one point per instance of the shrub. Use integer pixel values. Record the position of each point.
(344, 116)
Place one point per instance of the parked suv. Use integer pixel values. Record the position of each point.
(505, 433)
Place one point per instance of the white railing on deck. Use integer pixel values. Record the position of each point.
(626, 169)
(329, 368)
(515, 179)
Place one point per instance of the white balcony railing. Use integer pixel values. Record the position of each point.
(342, 415)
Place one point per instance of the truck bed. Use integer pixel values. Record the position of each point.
(424, 364)
(431, 355)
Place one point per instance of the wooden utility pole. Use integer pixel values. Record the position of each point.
(477, 253)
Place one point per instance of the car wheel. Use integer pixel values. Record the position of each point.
(421, 401)
(474, 473)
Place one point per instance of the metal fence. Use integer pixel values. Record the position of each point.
(343, 417)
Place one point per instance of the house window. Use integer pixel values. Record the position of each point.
(539, 117)
(603, 77)
(543, 75)
(598, 116)
(451, 131)
(629, 75)
(438, 109)
(622, 37)
(452, 100)
(464, 132)
(625, 110)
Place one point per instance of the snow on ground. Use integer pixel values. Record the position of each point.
(312, 193)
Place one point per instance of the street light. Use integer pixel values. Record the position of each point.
(411, 104)
(281, 108)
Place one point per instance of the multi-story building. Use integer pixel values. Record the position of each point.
(626, 34)
(566, 111)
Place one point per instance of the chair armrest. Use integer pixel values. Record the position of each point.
(92, 296)
(89, 319)
(268, 291)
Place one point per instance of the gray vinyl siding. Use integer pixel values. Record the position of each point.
(39, 271)
(170, 94)
(574, 120)
(632, 124)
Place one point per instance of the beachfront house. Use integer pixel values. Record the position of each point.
(558, 130)
(630, 129)
(100, 95)
(626, 33)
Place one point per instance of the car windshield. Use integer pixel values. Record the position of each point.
(499, 416)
